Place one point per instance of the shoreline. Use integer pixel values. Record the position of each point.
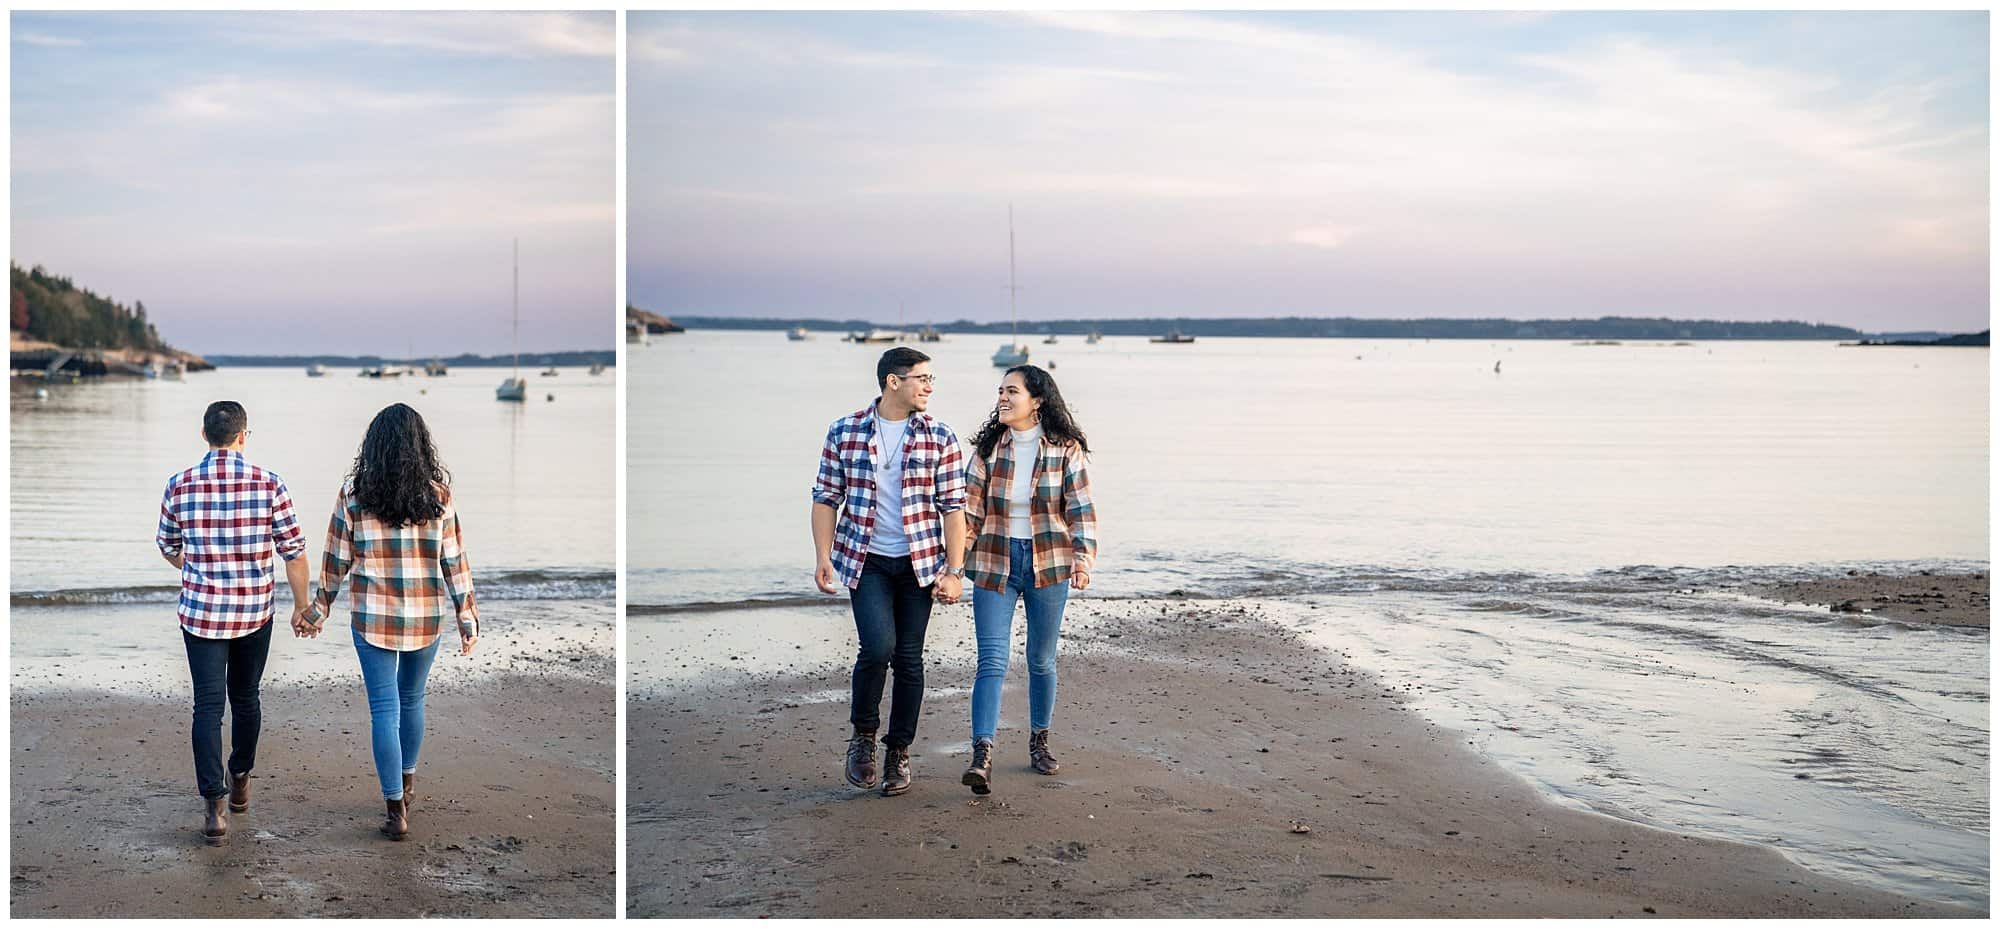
(514, 812)
(1193, 735)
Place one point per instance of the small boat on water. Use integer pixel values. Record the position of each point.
(513, 389)
(636, 334)
(596, 368)
(385, 371)
(152, 371)
(175, 371)
(1093, 338)
(1173, 337)
(1015, 352)
(797, 334)
(929, 334)
(876, 336)
(436, 368)
(1051, 340)
(315, 370)
(550, 372)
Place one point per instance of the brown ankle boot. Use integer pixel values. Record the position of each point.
(861, 760)
(216, 825)
(979, 777)
(895, 771)
(1038, 753)
(409, 784)
(239, 792)
(396, 824)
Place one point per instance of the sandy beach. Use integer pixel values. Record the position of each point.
(1941, 598)
(1197, 739)
(513, 814)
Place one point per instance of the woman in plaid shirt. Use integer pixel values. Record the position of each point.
(394, 539)
(1033, 532)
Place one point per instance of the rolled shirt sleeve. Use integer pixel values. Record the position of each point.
(168, 536)
(950, 475)
(286, 534)
(1080, 512)
(457, 570)
(830, 484)
(339, 551)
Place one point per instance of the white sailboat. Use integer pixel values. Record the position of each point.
(1014, 352)
(514, 389)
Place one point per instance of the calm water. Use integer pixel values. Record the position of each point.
(1220, 462)
(534, 483)
(1544, 551)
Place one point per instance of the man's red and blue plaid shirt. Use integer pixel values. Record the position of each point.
(225, 517)
(933, 485)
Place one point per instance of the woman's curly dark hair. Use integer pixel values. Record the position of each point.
(397, 475)
(1057, 425)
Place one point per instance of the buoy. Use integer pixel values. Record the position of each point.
(552, 398)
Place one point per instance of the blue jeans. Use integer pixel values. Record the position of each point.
(892, 612)
(993, 627)
(395, 682)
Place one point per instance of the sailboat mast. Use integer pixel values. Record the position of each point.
(517, 308)
(1011, 309)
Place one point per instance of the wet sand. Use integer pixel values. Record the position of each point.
(1195, 738)
(1941, 599)
(513, 812)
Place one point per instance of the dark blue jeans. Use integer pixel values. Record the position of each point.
(229, 668)
(891, 613)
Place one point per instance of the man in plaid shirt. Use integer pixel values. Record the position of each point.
(888, 525)
(220, 523)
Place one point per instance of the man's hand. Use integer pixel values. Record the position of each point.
(1079, 579)
(823, 576)
(949, 588)
(465, 645)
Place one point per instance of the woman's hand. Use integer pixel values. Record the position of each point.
(1079, 579)
(465, 645)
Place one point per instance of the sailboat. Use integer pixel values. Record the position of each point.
(1015, 352)
(513, 389)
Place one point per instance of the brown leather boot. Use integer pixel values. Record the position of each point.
(239, 792)
(396, 824)
(979, 777)
(409, 784)
(216, 825)
(1038, 753)
(895, 771)
(861, 759)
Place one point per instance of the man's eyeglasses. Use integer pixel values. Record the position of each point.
(928, 379)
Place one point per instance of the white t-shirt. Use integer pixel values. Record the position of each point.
(1027, 448)
(888, 537)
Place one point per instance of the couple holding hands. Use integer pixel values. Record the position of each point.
(393, 541)
(901, 518)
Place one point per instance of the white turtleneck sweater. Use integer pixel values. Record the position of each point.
(1027, 448)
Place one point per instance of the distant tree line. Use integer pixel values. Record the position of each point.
(50, 308)
(1344, 327)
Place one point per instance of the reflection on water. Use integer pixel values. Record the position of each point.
(534, 482)
(1859, 748)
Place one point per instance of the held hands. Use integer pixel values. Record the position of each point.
(949, 588)
(307, 621)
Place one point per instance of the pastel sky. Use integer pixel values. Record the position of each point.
(1829, 167)
(305, 183)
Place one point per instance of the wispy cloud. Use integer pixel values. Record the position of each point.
(47, 41)
(1526, 151)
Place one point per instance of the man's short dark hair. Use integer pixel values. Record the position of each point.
(897, 361)
(224, 421)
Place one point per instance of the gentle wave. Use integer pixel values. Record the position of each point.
(498, 585)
